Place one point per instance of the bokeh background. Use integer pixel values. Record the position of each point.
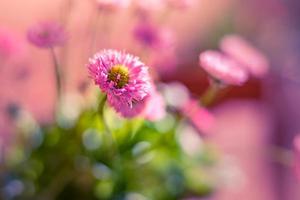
(256, 122)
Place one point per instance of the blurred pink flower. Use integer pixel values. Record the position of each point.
(250, 57)
(146, 33)
(112, 5)
(222, 68)
(152, 36)
(200, 117)
(47, 35)
(176, 94)
(123, 77)
(155, 108)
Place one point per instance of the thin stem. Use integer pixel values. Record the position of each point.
(58, 76)
(112, 141)
(210, 94)
(101, 107)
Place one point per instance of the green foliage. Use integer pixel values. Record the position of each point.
(107, 157)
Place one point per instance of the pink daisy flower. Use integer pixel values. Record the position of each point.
(242, 51)
(222, 68)
(152, 107)
(47, 35)
(123, 77)
(125, 110)
(112, 5)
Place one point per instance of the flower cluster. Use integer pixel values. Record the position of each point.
(238, 60)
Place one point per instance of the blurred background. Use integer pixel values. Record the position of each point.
(256, 122)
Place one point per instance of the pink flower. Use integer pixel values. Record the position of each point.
(123, 77)
(112, 5)
(125, 110)
(155, 108)
(242, 51)
(47, 35)
(151, 107)
(153, 36)
(176, 94)
(200, 117)
(222, 68)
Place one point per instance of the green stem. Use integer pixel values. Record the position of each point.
(101, 107)
(58, 76)
(210, 94)
(108, 133)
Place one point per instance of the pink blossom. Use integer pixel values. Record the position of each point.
(155, 108)
(200, 117)
(112, 5)
(242, 51)
(46, 35)
(152, 36)
(222, 68)
(151, 107)
(123, 77)
(129, 111)
(176, 94)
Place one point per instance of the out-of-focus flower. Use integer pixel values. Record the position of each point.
(10, 46)
(242, 51)
(47, 35)
(155, 108)
(112, 5)
(180, 4)
(153, 36)
(200, 117)
(123, 77)
(222, 68)
(146, 33)
(176, 94)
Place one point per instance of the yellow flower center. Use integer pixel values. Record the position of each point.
(119, 75)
